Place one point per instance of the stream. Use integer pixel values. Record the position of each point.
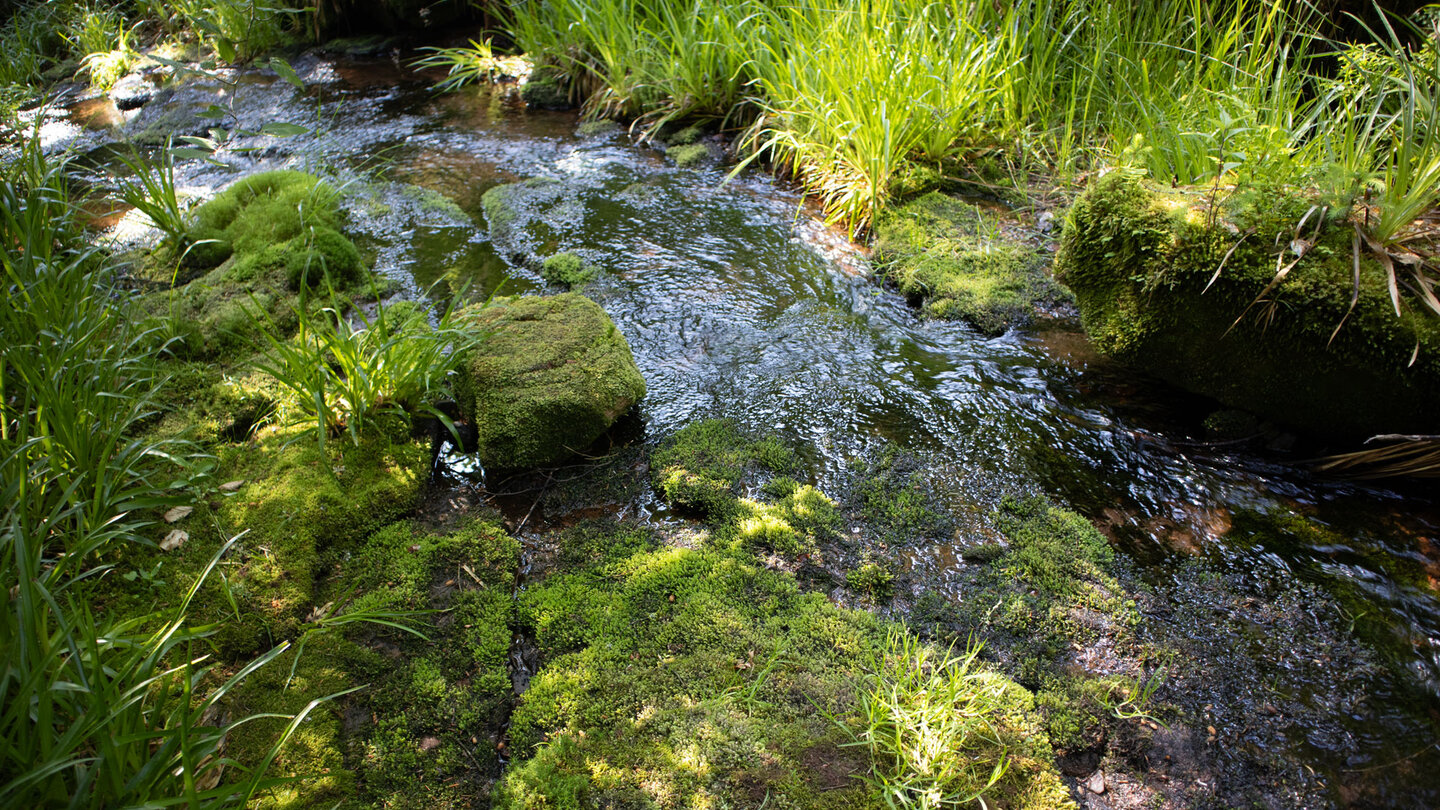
(1314, 647)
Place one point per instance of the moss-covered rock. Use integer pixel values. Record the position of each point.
(688, 155)
(1140, 259)
(262, 239)
(677, 678)
(568, 269)
(546, 89)
(551, 375)
(948, 254)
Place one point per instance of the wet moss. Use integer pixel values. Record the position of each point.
(546, 89)
(681, 678)
(323, 254)
(550, 377)
(702, 466)
(295, 506)
(871, 580)
(950, 255)
(1140, 259)
(595, 129)
(895, 501)
(568, 269)
(688, 155)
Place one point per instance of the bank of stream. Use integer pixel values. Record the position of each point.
(1300, 613)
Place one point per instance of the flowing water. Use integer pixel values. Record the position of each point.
(1306, 608)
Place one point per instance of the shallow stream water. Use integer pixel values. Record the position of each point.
(737, 302)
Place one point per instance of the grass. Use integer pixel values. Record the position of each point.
(98, 710)
(345, 377)
(928, 722)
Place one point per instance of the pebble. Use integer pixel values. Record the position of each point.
(1096, 782)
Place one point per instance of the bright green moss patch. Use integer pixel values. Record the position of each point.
(550, 377)
(950, 255)
(296, 504)
(702, 466)
(872, 580)
(567, 269)
(1139, 261)
(436, 705)
(688, 155)
(266, 237)
(692, 678)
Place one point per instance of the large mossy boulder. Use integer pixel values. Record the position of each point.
(549, 377)
(1139, 261)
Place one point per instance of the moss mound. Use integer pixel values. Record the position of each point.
(545, 89)
(682, 678)
(296, 505)
(688, 155)
(568, 269)
(550, 377)
(702, 466)
(256, 244)
(936, 249)
(1139, 261)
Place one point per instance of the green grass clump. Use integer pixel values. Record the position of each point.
(568, 269)
(701, 467)
(952, 256)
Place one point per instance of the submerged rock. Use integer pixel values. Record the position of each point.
(1172, 284)
(550, 376)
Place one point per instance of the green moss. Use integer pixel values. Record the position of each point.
(682, 678)
(595, 129)
(688, 155)
(1139, 261)
(701, 467)
(269, 208)
(266, 235)
(686, 136)
(315, 752)
(545, 89)
(550, 377)
(322, 253)
(208, 405)
(438, 702)
(504, 205)
(871, 580)
(296, 505)
(568, 269)
(950, 255)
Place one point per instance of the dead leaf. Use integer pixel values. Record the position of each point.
(231, 486)
(319, 613)
(178, 513)
(175, 539)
